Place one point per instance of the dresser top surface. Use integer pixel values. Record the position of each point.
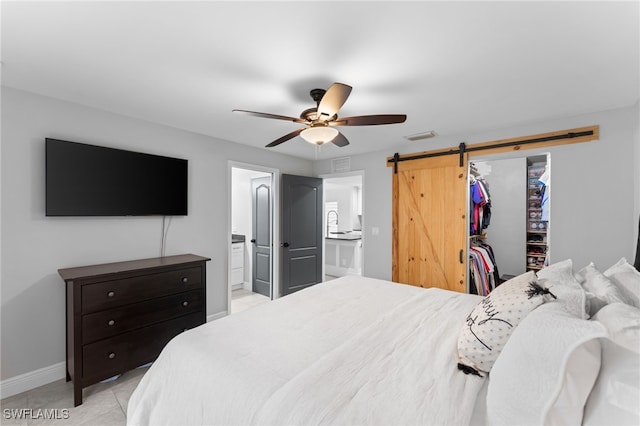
(130, 265)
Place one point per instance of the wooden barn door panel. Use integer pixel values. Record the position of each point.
(430, 208)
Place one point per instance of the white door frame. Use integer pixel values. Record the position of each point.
(275, 230)
(324, 225)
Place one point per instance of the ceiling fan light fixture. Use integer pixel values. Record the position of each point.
(319, 135)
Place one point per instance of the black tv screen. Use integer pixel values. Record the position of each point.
(89, 180)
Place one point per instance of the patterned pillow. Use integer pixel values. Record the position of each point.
(490, 324)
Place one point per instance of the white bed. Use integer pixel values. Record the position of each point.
(349, 351)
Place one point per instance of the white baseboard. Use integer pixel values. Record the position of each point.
(32, 380)
(217, 316)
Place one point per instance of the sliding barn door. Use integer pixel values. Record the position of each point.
(430, 211)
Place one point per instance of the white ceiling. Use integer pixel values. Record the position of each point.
(458, 68)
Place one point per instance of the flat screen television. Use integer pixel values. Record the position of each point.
(89, 180)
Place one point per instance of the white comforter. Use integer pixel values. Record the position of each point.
(350, 351)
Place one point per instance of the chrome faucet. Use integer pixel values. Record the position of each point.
(328, 219)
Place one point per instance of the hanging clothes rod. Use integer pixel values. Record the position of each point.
(462, 148)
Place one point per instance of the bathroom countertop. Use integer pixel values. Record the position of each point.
(344, 236)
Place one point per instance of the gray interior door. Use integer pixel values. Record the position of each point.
(261, 239)
(301, 233)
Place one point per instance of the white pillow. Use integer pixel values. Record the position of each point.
(492, 321)
(600, 290)
(561, 282)
(627, 278)
(615, 398)
(623, 323)
(546, 371)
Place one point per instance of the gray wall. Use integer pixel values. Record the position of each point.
(34, 247)
(595, 189)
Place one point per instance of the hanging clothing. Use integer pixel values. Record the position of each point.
(483, 271)
(479, 206)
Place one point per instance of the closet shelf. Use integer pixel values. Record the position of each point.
(537, 251)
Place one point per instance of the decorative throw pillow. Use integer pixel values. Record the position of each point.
(492, 321)
(600, 291)
(560, 281)
(627, 279)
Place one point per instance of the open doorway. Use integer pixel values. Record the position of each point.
(252, 229)
(343, 224)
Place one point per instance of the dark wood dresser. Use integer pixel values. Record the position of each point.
(120, 315)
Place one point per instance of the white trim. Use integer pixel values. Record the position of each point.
(219, 315)
(31, 380)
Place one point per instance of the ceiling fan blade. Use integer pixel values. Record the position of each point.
(340, 140)
(285, 138)
(333, 100)
(267, 115)
(369, 120)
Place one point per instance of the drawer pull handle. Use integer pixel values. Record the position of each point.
(111, 322)
(185, 280)
(112, 355)
(185, 303)
(111, 293)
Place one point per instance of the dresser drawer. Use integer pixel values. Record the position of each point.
(109, 294)
(109, 357)
(103, 324)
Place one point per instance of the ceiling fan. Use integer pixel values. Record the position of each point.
(321, 120)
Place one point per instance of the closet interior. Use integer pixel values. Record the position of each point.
(483, 270)
(509, 203)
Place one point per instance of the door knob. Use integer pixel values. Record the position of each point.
(253, 240)
(285, 245)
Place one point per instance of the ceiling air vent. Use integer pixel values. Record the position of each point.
(341, 165)
(420, 136)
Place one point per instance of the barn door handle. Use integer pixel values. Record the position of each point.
(285, 244)
(461, 255)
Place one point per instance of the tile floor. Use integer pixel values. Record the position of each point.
(242, 299)
(103, 403)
